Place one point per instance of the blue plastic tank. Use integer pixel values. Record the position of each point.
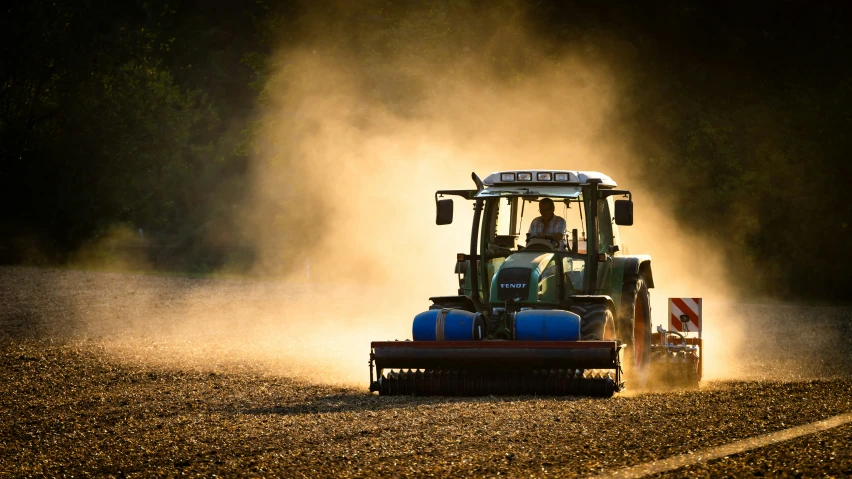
(447, 325)
(547, 325)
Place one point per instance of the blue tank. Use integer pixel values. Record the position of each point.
(447, 325)
(547, 325)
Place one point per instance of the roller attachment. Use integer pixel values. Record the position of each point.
(438, 382)
(470, 368)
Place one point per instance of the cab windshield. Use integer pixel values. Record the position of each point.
(521, 222)
(514, 222)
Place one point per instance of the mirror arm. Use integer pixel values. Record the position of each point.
(607, 193)
(466, 194)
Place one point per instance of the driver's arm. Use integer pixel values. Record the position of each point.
(561, 227)
(533, 224)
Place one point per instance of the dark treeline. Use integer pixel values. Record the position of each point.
(741, 113)
(111, 114)
(139, 114)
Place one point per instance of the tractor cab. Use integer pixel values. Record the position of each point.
(514, 265)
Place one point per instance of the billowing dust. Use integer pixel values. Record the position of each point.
(350, 147)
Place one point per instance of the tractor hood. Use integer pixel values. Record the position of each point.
(518, 277)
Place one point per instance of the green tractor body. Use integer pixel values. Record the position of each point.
(556, 315)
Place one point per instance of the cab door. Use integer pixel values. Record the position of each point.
(606, 241)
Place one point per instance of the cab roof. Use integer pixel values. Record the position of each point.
(547, 177)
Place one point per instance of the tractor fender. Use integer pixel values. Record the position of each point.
(634, 266)
(452, 302)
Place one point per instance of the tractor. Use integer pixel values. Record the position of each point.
(567, 314)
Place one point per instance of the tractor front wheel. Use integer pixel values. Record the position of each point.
(596, 322)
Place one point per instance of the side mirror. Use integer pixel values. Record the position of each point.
(445, 212)
(624, 212)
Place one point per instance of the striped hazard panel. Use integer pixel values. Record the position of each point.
(685, 314)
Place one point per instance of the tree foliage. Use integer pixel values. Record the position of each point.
(104, 122)
(139, 113)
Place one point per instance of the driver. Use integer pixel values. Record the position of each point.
(548, 225)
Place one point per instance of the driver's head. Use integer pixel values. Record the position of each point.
(546, 208)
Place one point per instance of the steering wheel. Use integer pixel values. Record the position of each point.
(540, 244)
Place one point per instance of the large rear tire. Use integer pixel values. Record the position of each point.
(634, 327)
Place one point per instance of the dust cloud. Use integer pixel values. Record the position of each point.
(352, 141)
(364, 167)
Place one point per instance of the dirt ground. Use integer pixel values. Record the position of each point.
(139, 376)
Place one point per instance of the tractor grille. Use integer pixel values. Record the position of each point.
(513, 283)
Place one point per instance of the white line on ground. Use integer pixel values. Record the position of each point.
(737, 447)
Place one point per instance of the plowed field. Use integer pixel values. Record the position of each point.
(122, 375)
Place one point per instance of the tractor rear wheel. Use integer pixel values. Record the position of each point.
(634, 326)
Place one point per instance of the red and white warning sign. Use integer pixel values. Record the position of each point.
(685, 315)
